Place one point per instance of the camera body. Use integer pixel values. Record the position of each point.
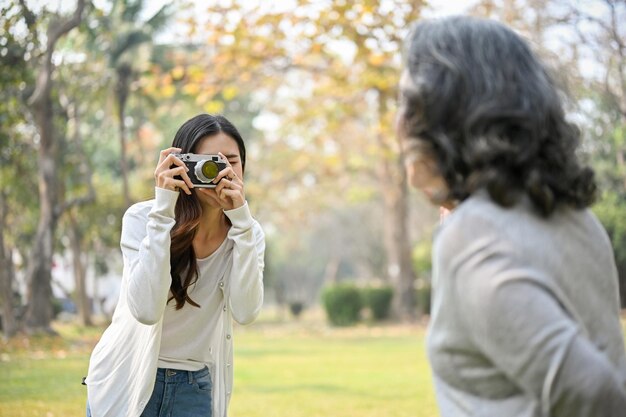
(202, 168)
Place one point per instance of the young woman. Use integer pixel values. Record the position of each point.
(193, 261)
(525, 318)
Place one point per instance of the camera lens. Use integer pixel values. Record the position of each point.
(206, 170)
(209, 169)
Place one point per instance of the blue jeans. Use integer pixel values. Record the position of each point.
(179, 393)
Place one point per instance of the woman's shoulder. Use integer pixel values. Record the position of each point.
(477, 213)
(480, 222)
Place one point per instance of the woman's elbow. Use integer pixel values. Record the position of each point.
(246, 311)
(147, 319)
(246, 317)
(144, 315)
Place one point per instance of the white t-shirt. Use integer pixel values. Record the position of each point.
(185, 331)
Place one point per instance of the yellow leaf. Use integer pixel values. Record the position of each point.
(191, 89)
(214, 107)
(178, 72)
(333, 161)
(168, 90)
(376, 59)
(229, 92)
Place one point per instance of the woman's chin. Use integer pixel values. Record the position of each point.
(208, 200)
(438, 197)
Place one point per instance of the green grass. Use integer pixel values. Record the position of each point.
(295, 369)
(340, 373)
(303, 369)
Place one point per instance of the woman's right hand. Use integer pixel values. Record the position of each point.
(170, 166)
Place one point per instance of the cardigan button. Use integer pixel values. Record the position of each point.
(221, 284)
(228, 336)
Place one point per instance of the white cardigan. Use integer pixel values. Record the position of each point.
(122, 368)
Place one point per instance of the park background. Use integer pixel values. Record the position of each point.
(91, 91)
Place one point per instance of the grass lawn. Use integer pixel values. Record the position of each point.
(294, 369)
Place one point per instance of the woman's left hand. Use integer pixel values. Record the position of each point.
(229, 192)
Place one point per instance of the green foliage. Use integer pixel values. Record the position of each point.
(423, 296)
(378, 300)
(611, 211)
(422, 262)
(422, 257)
(343, 303)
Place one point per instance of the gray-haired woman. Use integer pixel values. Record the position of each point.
(525, 316)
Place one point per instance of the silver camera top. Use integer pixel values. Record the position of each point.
(197, 157)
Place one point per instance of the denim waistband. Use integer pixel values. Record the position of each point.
(179, 375)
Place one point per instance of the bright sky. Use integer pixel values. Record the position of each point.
(436, 8)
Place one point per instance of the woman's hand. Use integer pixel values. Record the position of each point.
(229, 192)
(167, 168)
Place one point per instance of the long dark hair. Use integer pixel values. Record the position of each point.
(183, 265)
(492, 115)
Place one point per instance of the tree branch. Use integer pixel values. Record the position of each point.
(29, 16)
(55, 31)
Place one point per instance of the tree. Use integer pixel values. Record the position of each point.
(39, 297)
(16, 167)
(126, 36)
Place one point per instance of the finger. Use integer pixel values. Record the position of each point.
(165, 152)
(163, 175)
(225, 159)
(169, 161)
(226, 183)
(235, 197)
(225, 173)
(228, 191)
(182, 171)
(174, 184)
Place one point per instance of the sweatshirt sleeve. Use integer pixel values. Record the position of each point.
(145, 247)
(246, 279)
(517, 321)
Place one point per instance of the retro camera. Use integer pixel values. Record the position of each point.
(202, 168)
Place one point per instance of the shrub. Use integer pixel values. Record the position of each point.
(342, 303)
(296, 308)
(378, 300)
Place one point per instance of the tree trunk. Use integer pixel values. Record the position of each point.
(396, 235)
(331, 270)
(121, 92)
(39, 275)
(82, 301)
(6, 276)
(39, 294)
(397, 244)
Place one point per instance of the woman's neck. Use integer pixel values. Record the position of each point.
(212, 231)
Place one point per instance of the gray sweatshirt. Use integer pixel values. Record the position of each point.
(525, 319)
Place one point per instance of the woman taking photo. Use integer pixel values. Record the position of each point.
(525, 319)
(193, 262)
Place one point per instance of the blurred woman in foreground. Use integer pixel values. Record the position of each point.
(525, 318)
